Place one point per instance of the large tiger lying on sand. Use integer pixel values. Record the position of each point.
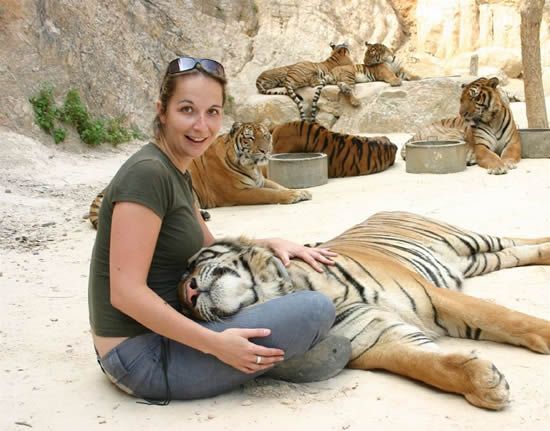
(396, 286)
(230, 172)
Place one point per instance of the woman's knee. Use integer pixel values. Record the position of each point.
(316, 307)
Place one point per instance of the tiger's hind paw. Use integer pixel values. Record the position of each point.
(490, 389)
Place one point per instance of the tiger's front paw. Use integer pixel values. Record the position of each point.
(354, 101)
(300, 195)
(510, 164)
(395, 82)
(497, 169)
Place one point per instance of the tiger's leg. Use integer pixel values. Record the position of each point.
(465, 316)
(445, 239)
(277, 91)
(382, 72)
(512, 152)
(269, 184)
(348, 91)
(489, 160)
(392, 345)
(511, 257)
(269, 196)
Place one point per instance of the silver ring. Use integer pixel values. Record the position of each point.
(258, 360)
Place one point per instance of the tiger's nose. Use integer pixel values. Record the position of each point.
(192, 292)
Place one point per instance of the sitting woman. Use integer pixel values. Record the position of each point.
(149, 227)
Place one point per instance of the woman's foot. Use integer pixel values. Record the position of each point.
(323, 361)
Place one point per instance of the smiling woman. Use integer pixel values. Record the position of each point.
(149, 227)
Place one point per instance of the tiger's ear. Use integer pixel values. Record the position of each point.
(332, 45)
(367, 44)
(235, 127)
(493, 82)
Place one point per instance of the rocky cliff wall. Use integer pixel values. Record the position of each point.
(115, 52)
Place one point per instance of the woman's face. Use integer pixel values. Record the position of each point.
(193, 116)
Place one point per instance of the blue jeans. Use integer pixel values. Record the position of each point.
(157, 368)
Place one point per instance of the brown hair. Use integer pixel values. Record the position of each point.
(167, 89)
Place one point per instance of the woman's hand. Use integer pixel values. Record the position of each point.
(234, 348)
(286, 250)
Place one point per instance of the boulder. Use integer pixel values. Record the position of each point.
(383, 109)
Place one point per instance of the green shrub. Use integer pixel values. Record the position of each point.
(59, 134)
(74, 112)
(92, 131)
(45, 111)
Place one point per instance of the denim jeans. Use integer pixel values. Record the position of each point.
(157, 368)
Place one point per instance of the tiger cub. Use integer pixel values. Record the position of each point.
(485, 122)
(304, 74)
(380, 64)
(348, 155)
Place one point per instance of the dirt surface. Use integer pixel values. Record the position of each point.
(49, 377)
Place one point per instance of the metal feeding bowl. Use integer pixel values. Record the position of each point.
(535, 143)
(436, 157)
(298, 170)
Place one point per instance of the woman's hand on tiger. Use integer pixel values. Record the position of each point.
(234, 348)
(286, 250)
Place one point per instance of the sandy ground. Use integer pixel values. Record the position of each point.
(49, 377)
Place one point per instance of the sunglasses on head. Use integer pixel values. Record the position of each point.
(185, 64)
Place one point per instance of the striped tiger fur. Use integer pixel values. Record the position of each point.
(396, 285)
(348, 155)
(303, 74)
(381, 64)
(272, 78)
(485, 123)
(93, 212)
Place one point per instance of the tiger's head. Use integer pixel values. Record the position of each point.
(340, 48)
(230, 275)
(480, 100)
(340, 53)
(250, 144)
(377, 53)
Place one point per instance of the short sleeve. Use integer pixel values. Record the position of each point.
(147, 182)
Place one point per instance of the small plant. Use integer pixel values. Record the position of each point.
(44, 109)
(74, 112)
(92, 131)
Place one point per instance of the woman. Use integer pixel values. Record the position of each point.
(148, 229)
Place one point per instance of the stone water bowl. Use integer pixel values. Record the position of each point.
(436, 157)
(298, 170)
(535, 143)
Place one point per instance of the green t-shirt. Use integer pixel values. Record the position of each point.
(150, 179)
